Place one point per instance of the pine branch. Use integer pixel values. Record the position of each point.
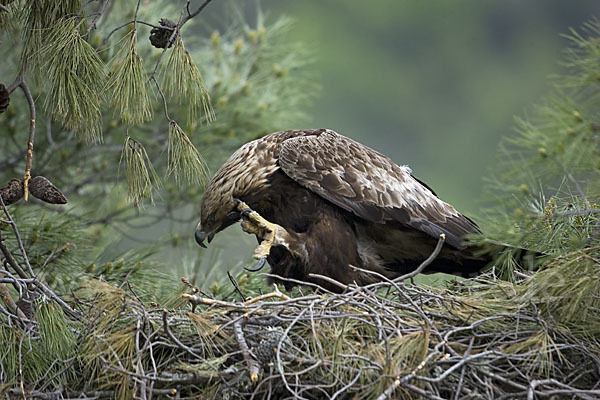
(129, 85)
(32, 117)
(195, 13)
(20, 83)
(76, 76)
(183, 82)
(97, 15)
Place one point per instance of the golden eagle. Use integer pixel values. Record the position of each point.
(321, 203)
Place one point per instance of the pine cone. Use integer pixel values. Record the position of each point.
(44, 190)
(160, 37)
(4, 98)
(26, 303)
(267, 349)
(12, 192)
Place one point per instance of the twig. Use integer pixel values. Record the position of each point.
(97, 16)
(330, 280)
(10, 258)
(137, 21)
(20, 82)
(13, 225)
(173, 337)
(196, 300)
(412, 274)
(164, 99)
(275, 293)
(198, 11)
(296, 281)
(253, 365)
(8, 300)
(428, 260)
(278, 354)
(462, 372)
(236, 286)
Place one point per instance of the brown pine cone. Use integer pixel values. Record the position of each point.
(267, 349)
(4, 98)
(12, 192)
(160, 37)
(26, 302)
(44, 190)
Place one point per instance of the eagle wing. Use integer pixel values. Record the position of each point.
(369, 184)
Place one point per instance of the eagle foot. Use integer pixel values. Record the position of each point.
(253, 223)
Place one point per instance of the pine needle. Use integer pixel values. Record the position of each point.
(41, 17)
(76, 77)
(184, 83)
(129, 84)
(184, 159)
(139, 172)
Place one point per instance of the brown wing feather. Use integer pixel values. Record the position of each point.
(369, 184)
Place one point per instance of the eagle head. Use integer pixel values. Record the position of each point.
(217, 212)
(241, 174)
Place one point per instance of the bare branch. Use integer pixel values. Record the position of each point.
(253, 366)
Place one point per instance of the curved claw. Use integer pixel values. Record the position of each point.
(258, 267)
(244, 213)
(234, 215)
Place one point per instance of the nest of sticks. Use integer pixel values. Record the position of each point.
(476, 339)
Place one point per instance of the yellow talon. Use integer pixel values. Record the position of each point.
(257, 225)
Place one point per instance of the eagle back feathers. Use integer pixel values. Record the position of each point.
(368, 184)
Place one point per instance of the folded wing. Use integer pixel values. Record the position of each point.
(369, 184)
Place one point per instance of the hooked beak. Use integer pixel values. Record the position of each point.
(201, 236)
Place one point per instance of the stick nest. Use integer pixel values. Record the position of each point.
(476, 339)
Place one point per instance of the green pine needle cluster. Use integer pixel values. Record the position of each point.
(184, 83)
(10, 21)
(75, 75)
(40, 19)
(184, 159)
(129, 84)
(139, 172)
(582, 59)
(547, 182)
